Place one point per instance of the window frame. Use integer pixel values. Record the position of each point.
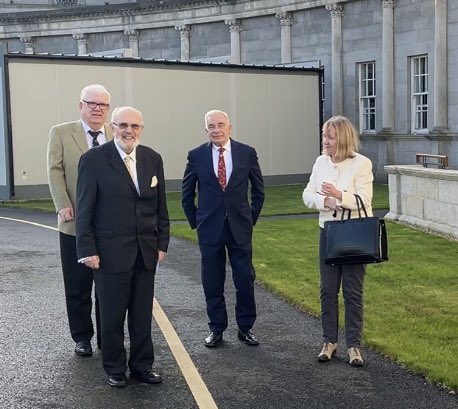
(367, 97)
(419, 92)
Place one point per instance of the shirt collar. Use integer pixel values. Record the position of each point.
(226, 146)
(133, 154)
(87, 128)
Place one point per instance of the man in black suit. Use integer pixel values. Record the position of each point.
(222, 171)
(122, 230)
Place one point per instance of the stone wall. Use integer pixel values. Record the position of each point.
(424, 197)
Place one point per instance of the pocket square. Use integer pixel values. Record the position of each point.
(154, 181)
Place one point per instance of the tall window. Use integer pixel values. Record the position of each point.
(367, 95)
(419, 89)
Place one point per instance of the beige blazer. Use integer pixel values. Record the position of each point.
(67, 142)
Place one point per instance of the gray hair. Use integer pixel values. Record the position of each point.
(97, 88)
(216, 111)
(116, 111)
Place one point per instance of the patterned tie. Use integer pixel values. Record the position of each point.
(127, 160)
(94, 135)
(221, 169)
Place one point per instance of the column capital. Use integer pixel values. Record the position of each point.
(234, 25)
(335, 9)
(132, 33)
(29, 41)
(80, 38)
(285, 17)
(389, 4)
(184, 29)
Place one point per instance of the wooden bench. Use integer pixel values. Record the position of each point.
(423, 158)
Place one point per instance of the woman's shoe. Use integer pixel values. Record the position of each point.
(355, 357)
(328, 350)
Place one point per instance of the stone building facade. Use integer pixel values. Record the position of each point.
(389, 65)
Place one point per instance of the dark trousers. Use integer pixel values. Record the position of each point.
(213, 264)
(78, 280)
(119, 293)
(351, 277)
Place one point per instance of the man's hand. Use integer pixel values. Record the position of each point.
(161, 256)
(66, 214)
(92, 262)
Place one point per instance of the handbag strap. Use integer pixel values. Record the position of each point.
(360, 204)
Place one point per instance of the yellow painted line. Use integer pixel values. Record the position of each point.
(29, 222)
(197, 386)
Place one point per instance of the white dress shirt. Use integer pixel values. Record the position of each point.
(101, 138)
(133, 166)
(227, 159)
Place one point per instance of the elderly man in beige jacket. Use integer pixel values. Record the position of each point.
(67, 142)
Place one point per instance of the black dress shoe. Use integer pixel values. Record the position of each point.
(117, 381)
(146, 376)
(213, 339)
(248, 338)
(83, 348)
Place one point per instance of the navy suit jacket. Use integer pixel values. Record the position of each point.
(215, 205)
(113, 221)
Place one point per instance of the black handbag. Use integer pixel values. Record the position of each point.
(360, 240)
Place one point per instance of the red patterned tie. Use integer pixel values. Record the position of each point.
(221, 169)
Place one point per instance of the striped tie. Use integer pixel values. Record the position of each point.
(127, 160)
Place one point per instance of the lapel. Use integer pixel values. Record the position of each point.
(142, 169)
(79, 137)
(234, 156)
(115, 161)
(108, 132)
(209, 159)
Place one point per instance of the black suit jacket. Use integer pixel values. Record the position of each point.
(113, 221)
(215, 205)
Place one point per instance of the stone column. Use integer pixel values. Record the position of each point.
(235, 29)
(81, 40)
(336, 11)
(29, 44)
(388, 102)
(440, 67)
(133, 40)
(185, 34)
(286, 21)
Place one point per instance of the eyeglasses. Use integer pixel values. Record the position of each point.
(93, 105)
(125, 125)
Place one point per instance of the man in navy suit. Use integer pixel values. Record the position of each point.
(122, 231)
(222, 170)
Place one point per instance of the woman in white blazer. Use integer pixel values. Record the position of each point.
(337, 174)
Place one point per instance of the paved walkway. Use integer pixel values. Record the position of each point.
(39, 370)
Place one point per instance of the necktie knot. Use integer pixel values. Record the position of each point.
(221, 150)
(94, 135)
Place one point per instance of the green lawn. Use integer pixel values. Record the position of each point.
(411, 302)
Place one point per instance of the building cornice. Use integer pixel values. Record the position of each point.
(97, 19)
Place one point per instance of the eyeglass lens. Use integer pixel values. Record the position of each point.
(93, 105)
